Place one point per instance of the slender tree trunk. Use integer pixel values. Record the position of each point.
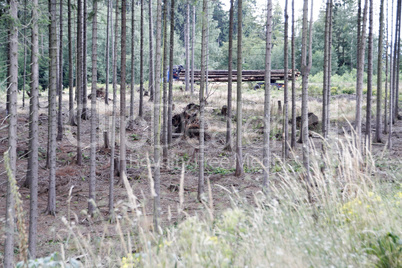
(285, 148)
(107, 119)
(305, 70)
(187, 45)
(151, 54)
(379, 73)
(12, 134)
(202, 101)
(391, 91)
(140, 112)
(326, 66)
(70, 69)
(239, 117)
(113, 130)
(157, 205)
(230, 77)
(92, 178)
(132, 84)
(192, 52)
(51, 206)
(369, 78)
(329, 70)
(293, 138)
(79, 78)
(164, 79)
(360, 69)
(84, 64)
(60, 85)
(267, 98)
(207, 55)
(398, 45)
(25, 54)
(386, 78)
(107, 53)
(34, 137)
(170, 97)
(122, 170)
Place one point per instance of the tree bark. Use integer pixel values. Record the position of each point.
(379, 73)
(187, 45)
(107, 52)
(79, 78)
(360, 69)
(60, 85)
(157, 205)
(141, 104)
(202, 101)
(369, 78)
(164, 79)
(239, 117)
(123, 93)
(285, 145)
(34, 137)
(267, 98)
(84, 64)
(192, 52)
(113, 130)
(152, 75)
(170, 97)
(132, 84)
(12, 133)
(70, 69)
(92, 178)
(293, 138)
(229, 141)
(325, 76)
(51, 205)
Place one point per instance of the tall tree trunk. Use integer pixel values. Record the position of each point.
(12, 133)
(157, 200)
(107, 52)
(79, 83)
(84, 64)
(293, 138)
(141, 104)
(360, 69)
(369, 78)
(164, 79)
(113, 130)
(25, 54)
(51, 205)
(60, 85)
(132, 84)
(70, 69)
(305, 70)
(192, 52)
(391, 91)
(123, 92)
(187, 45)
(329, 70)
(152, 75)
(171, 50)
(398, 45)
(386, 78)
(107, 119)
(92, 178)
(325, 76)
(239, 116)
(229, 142)
(379, 73)
(285, 148)
(207, 54)
(202, 101)
(267, 98)
(34, 137)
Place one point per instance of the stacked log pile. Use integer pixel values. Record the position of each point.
(247, 75)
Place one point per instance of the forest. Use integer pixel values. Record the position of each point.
(183, 133)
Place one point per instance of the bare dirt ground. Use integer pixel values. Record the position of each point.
(219, 163)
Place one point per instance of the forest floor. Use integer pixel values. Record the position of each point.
(219, 170)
